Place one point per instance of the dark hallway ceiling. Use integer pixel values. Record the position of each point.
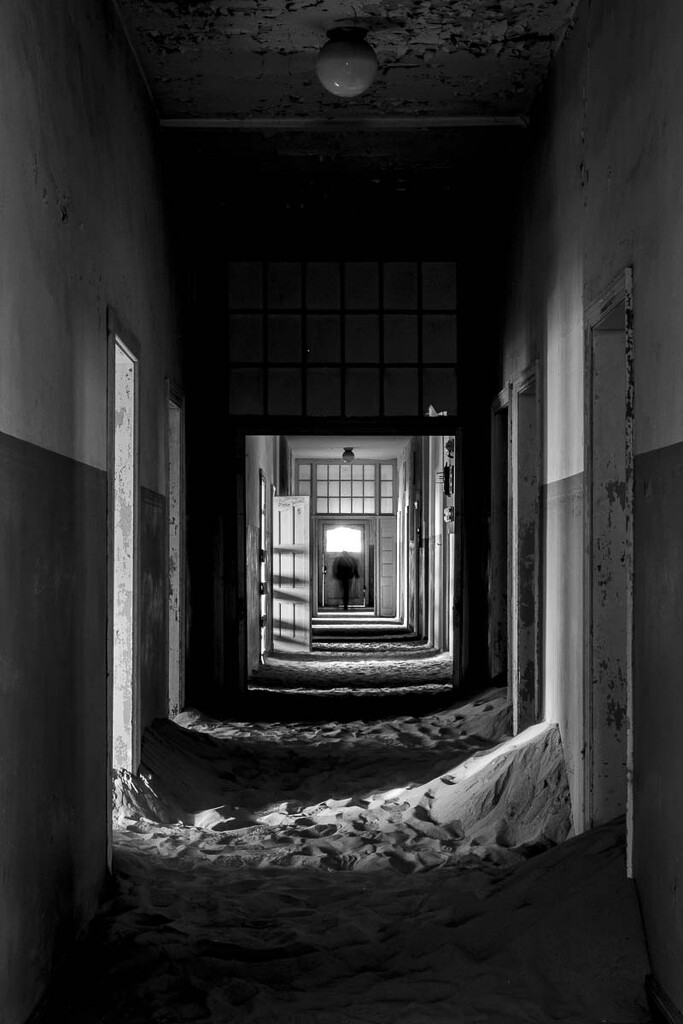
(254, 59)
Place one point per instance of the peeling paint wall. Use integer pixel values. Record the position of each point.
(81, 229)
(604, 192)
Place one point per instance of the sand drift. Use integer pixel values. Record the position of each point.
(404, 871)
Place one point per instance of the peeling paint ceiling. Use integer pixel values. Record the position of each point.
(255, 58)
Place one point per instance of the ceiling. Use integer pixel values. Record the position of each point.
(321, 447)
(254, 59)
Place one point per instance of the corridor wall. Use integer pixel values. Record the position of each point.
(82, 231)
(603, 193)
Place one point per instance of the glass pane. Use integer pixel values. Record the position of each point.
(357, 472)
(284, 393)
(333, 488)
(321, 505)
(322, 339)
(387, 488)
(334, 504)
(369, 506)
(387, 472)
(357, 488)
(369, 472)
(346, 505)
(387, 505)
(284, 339)
(344, 538)
(322, 489)
(346, 488)
(304, 471)
(304, 487)
(284, 285)
(323, 394)
(322, 286)
(245, 285)
(321, 472)
(358, 505)
(334, 472)
(400, 285)
(245, 338)
(345, 472)
(369, 489)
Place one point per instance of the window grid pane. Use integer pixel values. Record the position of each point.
(292, 314)
(342, 489)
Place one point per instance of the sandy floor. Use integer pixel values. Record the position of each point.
(406, 869)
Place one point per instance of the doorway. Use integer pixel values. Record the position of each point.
(334, 538)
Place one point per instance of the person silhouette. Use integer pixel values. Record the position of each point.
(345, 569)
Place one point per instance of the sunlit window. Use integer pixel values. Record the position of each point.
(343, 538)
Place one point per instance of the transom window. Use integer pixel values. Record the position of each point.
(336, 488)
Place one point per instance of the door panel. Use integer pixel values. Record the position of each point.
(291, 574)
(387, 567)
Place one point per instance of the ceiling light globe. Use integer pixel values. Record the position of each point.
(346, 65)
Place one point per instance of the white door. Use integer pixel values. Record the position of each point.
(291, 574)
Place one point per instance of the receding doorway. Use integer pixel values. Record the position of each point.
(334, 539)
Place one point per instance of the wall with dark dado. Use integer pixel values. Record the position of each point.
(81, 231)
(603, 193)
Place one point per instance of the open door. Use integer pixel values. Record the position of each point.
(291, 575)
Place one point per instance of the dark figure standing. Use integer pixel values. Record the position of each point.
(345, 569)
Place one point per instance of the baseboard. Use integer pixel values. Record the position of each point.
(662, 1009)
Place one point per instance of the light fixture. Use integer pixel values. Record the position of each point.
(346, 65)
(347, 455)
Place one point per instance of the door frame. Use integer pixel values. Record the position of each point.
(318, 523)
(619, 291)
(119, 335)
(176, 575)
(226, 665)
(530, 377)
(502, 404)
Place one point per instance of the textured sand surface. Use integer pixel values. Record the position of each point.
(405, 870)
